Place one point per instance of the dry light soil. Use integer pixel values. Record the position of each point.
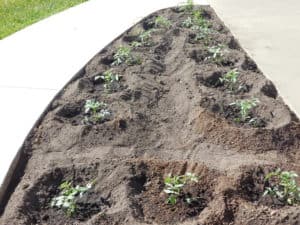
(169, 114)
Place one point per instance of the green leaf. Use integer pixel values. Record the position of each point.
(172, 200)
(66, 198)
(168, 191)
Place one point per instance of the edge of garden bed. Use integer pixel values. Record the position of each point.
(19, 162)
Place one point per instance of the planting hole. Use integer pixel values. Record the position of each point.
(149, 200)
(269, 90)
(38, 209)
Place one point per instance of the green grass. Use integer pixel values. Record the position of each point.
(17, 14)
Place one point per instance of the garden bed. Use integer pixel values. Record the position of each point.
(175, 96)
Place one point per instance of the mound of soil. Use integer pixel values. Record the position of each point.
(169, 114)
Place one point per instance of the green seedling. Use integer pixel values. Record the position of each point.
(96, 112)
(66, 199)
(124, 55)
(216, 53)
(245, 107)
(200, 25)
(109, 78)
(136, 44)
(143, 39)
(162, 22)
(230, 79)
(188, 6)
(199, 20)
(284, 187)
(203, 33)
(175, 184)
(93, 106)
(188, 23)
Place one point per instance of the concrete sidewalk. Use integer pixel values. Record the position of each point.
(270, 32)
(37, 61)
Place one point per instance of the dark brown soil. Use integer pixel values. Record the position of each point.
(169, 115)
